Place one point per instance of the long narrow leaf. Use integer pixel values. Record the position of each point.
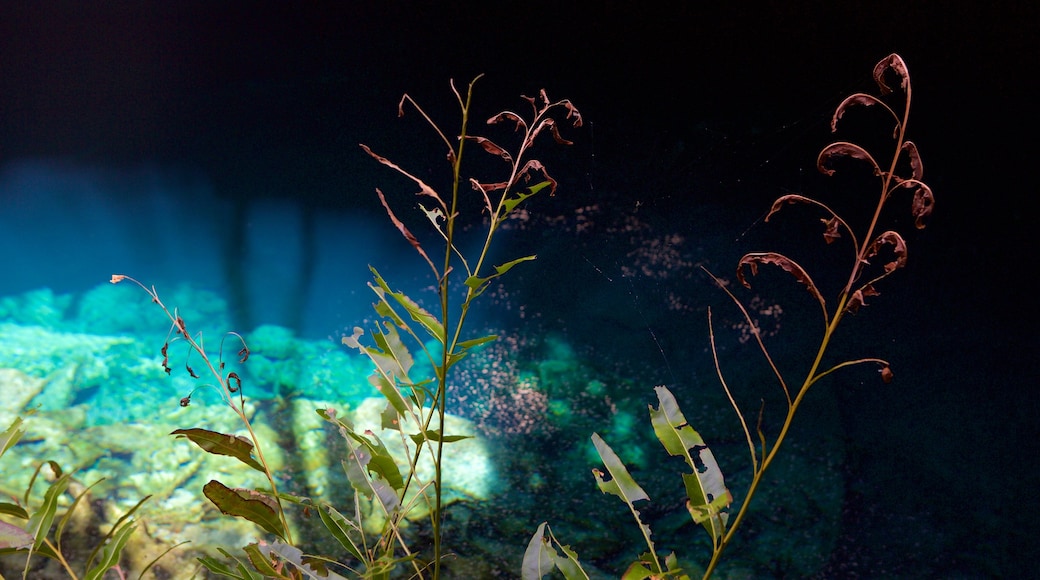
(41, 519)
(428, 321)
(68, 514)
(110, 555)
(705, 487)
(11, 435)
(340, 528)
(622, 485)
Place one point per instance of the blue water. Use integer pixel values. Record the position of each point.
(614, 305)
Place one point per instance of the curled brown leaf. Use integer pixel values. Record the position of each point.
(549, 124)
(922, 205)
(752, 260)
(895, 242)
(895, 63)
(791, 198)
(916, 167)
(490, 146)
(508, 116)
(843, 149)
(858, 298)
(854, 99)
(830, 232)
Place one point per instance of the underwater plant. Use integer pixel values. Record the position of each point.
(417, 406)
(264, 507)
(874, 256)
(41, 535)
(384, 494)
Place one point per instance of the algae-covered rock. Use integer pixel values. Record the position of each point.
(18, 389)
(280, 364)
(35, 308)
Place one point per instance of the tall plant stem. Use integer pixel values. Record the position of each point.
(792, 409)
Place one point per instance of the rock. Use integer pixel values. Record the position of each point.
(18, 389)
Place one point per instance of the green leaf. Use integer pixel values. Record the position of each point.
(475, 342)
(537, 559)
(68, 513)
(510, 204)
(221, 444)
(477, 283)
(391, 355)
(569, 565)
(340, 528)
(539, 548)
(621, 484)
(11, 435)
(116, 526)
(435, 435)
(40, 521)
(379, 461)
(110, 555)
(639, 570)
(13, 509)
(428, 321)
(218, 567)
(247, 504)
(260, 561)
(705, 487)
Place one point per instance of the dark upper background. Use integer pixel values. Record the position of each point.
(724, 103)
(270, 98)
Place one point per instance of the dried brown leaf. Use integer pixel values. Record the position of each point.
(488, 187)
(423, 188)
(509, 116)
(897, 245)
(854, 99)
(490, 146)
(916, 167)
(752, 260)
(858, 298)
(843, 149)
(572, 113)
(550, 124)
(535, 165)
(404, 231)
(830, 232)
(791, 198)
(922, 205)
(895, 63)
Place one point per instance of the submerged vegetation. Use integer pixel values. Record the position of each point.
(383, 505)
(875, 255)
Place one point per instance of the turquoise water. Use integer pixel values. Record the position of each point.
(583, 340)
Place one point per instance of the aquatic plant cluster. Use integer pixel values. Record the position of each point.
(377, 458)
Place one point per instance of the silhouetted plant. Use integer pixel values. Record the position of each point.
(709, 500)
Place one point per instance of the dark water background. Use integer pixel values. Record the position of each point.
(218, 146)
